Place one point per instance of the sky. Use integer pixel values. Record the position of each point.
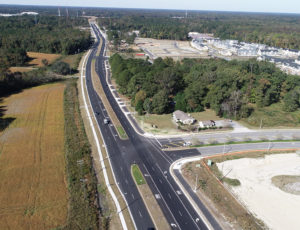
(279, 6)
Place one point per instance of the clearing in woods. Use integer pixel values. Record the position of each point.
(36, 61)
(33, 187)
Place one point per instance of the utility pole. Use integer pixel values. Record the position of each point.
(196, 183)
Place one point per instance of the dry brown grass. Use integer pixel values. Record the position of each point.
(21, 69)
(38, 57)
(33, 190)
(72, 60)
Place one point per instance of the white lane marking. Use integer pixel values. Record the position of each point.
(162, 197)
(180, 213)
(132, 195)
(169, 196)
(140, 214)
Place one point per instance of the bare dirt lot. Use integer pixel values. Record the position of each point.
(33, 190)
(169, 48)
(274, 203)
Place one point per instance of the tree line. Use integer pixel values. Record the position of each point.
(279, 30)
(232, 89)
(46, 34)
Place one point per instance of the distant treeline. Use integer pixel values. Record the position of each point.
(231, 88)
(280, 30)
(45, 34)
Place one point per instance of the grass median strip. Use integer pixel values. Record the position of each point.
(99, 89)
(137, 174)
(152, 206)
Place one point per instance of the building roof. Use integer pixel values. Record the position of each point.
(182, 115)
(208, 123)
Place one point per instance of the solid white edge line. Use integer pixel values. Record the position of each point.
(178, 165)
(119, 210)
(111, 164)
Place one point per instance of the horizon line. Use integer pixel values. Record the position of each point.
(129, 8)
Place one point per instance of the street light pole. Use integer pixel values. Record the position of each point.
(196, 183)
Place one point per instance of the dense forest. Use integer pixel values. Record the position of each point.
(45, 34)
(279, 30)
(231, 88)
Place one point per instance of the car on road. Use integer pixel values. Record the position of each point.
(106, 121)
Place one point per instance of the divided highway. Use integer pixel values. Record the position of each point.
(153, 162)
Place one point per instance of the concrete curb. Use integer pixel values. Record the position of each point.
(177, 165)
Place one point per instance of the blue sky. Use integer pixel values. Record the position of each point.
(283, 6)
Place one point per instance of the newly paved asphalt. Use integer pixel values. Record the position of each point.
(153, 162)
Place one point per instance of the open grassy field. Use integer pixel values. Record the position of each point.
(72, 60)
(271, 117)
(165, 124)
(35, 61)
(33, 187)
(36, 58)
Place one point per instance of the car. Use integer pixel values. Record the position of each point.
(188, 143)
(106, 121)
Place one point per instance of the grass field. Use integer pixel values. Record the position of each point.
(72, 60)
(33, 187)
(273, 116)
(35, 61)
(165, 124)
(138, 176)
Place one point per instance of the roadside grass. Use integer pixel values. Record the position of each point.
(137, 174)
(99, 89)
(217, 198)
(272, 117)
(82, 182)
(72, 60)
(33, 188)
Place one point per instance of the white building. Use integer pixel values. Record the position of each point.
(179, 116)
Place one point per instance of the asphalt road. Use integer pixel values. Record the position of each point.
(153, 162)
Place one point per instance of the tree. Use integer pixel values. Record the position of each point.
(45, 62)
(160, 102)
(291, 101)
(147, 105)
(61, 68)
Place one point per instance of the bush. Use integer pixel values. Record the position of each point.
(61, 68)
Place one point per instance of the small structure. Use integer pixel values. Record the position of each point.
(179, 116)
(207, 124)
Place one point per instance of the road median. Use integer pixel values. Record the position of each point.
(150, 202)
